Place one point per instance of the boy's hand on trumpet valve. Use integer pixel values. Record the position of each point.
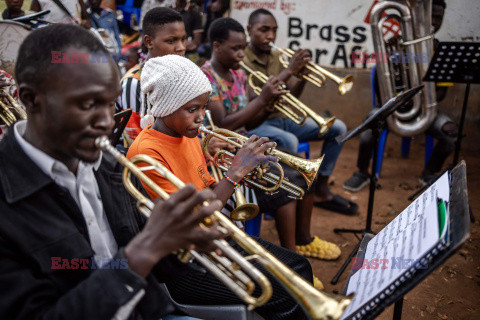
(250, 156)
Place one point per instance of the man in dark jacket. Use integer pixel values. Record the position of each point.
(70, 239)
(72, 243)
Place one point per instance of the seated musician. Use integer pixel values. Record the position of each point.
(442, 128)
(72, 243)
(164, 33)
(177, 93)
(231, 110)
(262, 28)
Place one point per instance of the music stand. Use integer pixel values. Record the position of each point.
(121, 120)
(457, 62)
(376, 123)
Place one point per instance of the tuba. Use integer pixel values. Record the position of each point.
(415, 18)
(317, 304)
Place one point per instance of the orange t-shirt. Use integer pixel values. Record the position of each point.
(182, 156)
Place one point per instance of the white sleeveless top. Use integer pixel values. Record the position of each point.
(57, 15)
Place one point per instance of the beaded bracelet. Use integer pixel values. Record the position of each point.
(235, 185)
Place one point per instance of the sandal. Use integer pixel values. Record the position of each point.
(338, 204)
(317, 284)
(319, 249)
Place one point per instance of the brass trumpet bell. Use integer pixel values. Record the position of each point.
(243, 210)
(318, 74)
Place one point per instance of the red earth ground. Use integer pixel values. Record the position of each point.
(450, 292)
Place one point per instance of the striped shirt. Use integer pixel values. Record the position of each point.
(131, 99)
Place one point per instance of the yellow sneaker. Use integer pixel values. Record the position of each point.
(317, 284)
(319, 249)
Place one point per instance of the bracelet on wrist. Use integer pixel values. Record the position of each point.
(235, 184)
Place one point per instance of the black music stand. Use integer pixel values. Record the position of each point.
(459, 233)
(376, 123)
(457, 62)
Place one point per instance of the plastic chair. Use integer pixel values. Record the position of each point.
(128, 8)
(215, 312)
(406, 142)
(252, 226)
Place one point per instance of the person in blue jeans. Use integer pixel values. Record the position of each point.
(262, 29)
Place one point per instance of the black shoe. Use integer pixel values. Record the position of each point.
(356, 182)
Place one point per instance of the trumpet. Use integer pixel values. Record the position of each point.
(307, 168)
(318, 74)
(243, 210)
(317, 304)
(292, 107)
(10, 111)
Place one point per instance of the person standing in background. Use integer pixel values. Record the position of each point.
(63, 11)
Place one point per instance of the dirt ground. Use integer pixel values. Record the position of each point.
(450, 292)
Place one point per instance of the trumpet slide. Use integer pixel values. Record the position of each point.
(291, 107)
(317, 304)
(243, 210)
(318, 74)
(307, 168)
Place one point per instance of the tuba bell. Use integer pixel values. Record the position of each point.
(415, 18)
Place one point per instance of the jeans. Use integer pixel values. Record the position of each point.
(442, 149)
(288, 134)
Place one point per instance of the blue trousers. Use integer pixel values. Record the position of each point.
(288, 134)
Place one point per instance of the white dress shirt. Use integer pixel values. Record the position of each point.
(84, 190)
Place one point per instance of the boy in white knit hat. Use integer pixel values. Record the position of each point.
(177, 92)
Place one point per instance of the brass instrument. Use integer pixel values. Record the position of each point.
(415, 19)
(291, 107)
(317, 304)
(308, 168)
(232, 269)
(10, 110)
(243, 210)
(318, 74)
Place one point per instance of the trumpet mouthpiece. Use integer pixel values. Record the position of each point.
(204, 129)
(102, 142)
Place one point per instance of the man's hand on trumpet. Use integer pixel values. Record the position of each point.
(298, 61)
(174, 224)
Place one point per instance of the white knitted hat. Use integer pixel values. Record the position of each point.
(170, 82)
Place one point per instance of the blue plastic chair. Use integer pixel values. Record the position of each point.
(252, 226)
(406, 142)
(128, 8)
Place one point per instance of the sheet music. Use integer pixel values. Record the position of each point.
(398, 247)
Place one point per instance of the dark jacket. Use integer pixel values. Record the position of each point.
(40, 220)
